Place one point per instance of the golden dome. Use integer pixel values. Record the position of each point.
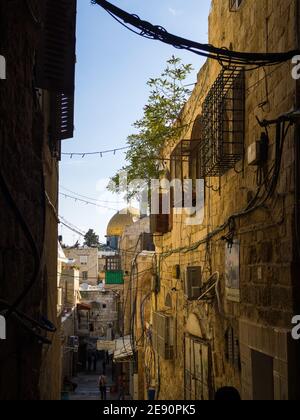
(121, 221)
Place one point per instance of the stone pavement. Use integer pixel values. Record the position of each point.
(88, 388)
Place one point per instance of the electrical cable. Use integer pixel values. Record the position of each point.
(90, 198)
(222, 55)
(281, 134)
(38, 257)
(87, 202)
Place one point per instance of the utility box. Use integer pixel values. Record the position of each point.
(254, 154)
(193, 283)
(258, 151)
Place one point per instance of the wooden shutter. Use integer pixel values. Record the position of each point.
(62, 118)
(159, 223)
(56, 56)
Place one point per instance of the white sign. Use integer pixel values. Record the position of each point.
(2, 68)
(2, 328)
(106, 345)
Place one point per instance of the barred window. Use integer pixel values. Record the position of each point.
(223, 121)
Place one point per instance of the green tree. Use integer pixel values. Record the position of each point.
(159, 125)
(91, 239)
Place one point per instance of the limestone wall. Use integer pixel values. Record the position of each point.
(265, 235)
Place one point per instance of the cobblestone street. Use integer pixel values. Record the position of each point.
(88, 389)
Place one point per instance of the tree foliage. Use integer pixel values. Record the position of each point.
(158, 126)
(91, 239)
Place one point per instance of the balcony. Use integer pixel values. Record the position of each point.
(114, 277)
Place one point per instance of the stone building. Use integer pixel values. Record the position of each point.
(227, 283)
(86, 261)
(36, 113)
(103, 314)
(138, 265)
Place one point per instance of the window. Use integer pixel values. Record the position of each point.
(198, 367)
(85, 275)
(234, 5)
(232, 349)
(104, 306)
(160, 222)
(163, 335)
(83, 259)
(147, 242)
(223, 122)
(184, 167)
(113, 263)
(55, 68)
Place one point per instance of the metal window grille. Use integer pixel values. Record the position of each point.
(223, 123)
(113, 263)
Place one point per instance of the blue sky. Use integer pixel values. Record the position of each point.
(113, 66)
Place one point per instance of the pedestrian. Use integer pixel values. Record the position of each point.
(102, 386)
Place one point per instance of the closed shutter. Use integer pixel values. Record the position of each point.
(159, 223)
(56, 56)
(62, 118)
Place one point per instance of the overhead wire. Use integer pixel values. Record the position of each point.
(223, 55)
(76, 199)
(89, 198)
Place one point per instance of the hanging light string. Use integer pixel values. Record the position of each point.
(89, 198)
(101, 153)
(76, 199)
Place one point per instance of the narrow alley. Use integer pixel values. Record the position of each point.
(149, 203)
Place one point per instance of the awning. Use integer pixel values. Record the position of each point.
(84, 307)
(124, 350)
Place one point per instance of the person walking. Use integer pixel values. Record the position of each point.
(102, 387)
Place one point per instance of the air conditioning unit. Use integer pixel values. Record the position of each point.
(193, 283)
(163, 335)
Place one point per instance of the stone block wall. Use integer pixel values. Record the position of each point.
(266, 235)
(28, 370)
